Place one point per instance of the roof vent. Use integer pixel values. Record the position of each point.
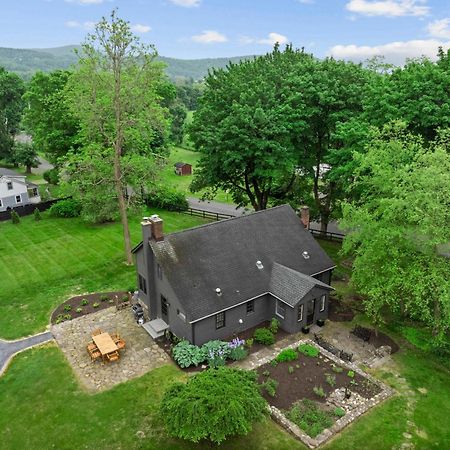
(218, 292)
(305, 255)
(259, 265)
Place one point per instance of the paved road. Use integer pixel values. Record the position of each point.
(44, 165)
(9, 348)
(215, 207)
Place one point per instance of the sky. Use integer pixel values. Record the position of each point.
(345, 29)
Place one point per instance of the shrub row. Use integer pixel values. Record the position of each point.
(167, 198)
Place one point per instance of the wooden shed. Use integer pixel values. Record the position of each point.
(182, 168)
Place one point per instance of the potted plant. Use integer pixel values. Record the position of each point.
(320, 322)
(305, 330)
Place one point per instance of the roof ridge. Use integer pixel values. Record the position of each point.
(229, 220)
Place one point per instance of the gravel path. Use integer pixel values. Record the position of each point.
(9, 348)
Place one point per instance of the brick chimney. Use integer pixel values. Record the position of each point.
(157, 228)
(304, 216)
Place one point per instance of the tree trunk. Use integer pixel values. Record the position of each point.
(28, 169)
(437, 318)
(323, 225)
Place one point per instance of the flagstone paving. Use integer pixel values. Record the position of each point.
(141, 353)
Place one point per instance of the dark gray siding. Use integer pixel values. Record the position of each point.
(205, 330)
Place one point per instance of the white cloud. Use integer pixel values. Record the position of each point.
(440, 28)
(388, 8)
(74, 24)
(394, 52)
(209, 37)
(271, 39)
(186, 3)
(139, 28)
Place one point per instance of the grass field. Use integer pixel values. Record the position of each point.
(43, 263)
(168, 177)
(44, 407)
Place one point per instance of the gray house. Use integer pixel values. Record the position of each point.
(15, 190)
(216, 280)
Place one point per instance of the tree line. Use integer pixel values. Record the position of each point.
(364, 144)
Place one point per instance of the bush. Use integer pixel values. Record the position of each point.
(63, 317)
(351, 374)
(51, 176)
(125, 298)
(201, 408)
(319, 391)
(15, 217)
(238, 353)
(337, 369)
(216, 353)
(167, 198)
(66, 208)
(288, 354)
(96, 305)
(67, 308)
(264, 336)
(274, 324)
(307, 415)
(104, 298)
(291, 369)
(79, 310)
(330, 379)
(339, 412)
(270, 386)
(186, 354)
(308, 350)
(249, 343)
(37, 215)
(84, 302)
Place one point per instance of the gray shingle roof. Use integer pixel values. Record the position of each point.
(9, 172)
(291, 286)
(224, 254)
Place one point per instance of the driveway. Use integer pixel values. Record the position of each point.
(9, 348)
(216, 207)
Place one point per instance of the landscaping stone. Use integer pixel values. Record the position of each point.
(141, 353)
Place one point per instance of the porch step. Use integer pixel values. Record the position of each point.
(155, 328)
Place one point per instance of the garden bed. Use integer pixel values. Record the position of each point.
(86, 304)
(313, 391)
(337, 312)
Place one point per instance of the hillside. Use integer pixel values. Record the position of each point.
(27, 61)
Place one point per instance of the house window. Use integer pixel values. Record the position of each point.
(18, 199)
(300, 313)
(220, 320)
(34, 192)
(250, 306)
(322, 303)
(181, 315)
(142, 284)
(9, 185)
(280, 309)
(159, 271)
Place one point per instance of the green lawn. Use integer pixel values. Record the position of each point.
(43, 263)
(44, 407)
(168, 177)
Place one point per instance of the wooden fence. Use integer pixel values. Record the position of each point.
(328, 235)
(28, 209)
(206, 214)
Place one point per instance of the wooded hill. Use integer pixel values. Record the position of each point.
(25, 62)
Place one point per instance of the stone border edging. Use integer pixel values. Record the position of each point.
(341, 423)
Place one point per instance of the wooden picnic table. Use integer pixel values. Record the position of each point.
(105, 343)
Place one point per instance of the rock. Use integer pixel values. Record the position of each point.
(423, 391)
(407, 435)
(140, 434)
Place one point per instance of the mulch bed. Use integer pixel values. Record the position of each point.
(383, 339)
(166, 345)
(104, 300)
(337, 312)
(311, 373)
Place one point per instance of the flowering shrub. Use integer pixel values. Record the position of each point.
(216, 353)
(237, 350)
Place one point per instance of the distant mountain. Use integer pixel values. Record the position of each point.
(27, 61)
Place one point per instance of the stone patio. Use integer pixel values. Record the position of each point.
(141, 353)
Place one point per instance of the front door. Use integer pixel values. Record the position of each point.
(164, 309)
(310, 307)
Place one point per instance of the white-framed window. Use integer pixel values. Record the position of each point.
(322, 303)
(18, 199)
(9, 185)
(181, 315)
(280, 309)
(300, 313)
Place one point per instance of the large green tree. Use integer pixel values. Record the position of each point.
(24, 154)
(114, 95)
(417, 93)
(48, 117)
(399, 224)
(11, 107)
(244, 128)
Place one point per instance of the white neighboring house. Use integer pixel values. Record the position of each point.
(15, 190)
